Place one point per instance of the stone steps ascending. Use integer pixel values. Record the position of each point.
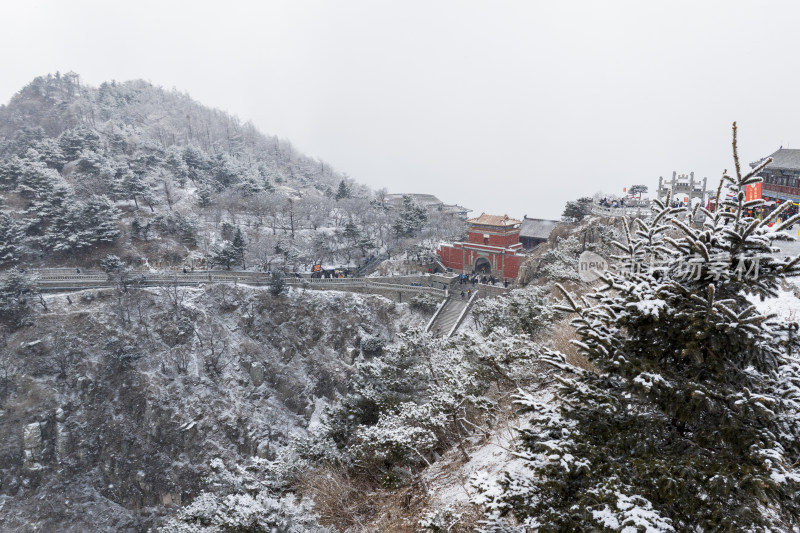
(448, 316)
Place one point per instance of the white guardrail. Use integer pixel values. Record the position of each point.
(638, 212)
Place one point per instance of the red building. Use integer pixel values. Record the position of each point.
(781, 177)
(492, 248)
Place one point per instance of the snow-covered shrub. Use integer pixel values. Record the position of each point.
(372, 346)
(439, 520)
(259, 513)
(560, 263)
(248, 497)
(426, 303)
(404, 405)
(527, 311)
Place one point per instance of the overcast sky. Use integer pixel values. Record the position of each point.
(504, 107)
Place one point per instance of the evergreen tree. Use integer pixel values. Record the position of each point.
(47, 207)
(36, 180)
(197, 163)
(239, 246)
(343, 191)
(66, 230)
(522, 311)
(10, 240)
(16, 294)
(51, 154)
(351, 232)
(11, 170)
(111, 264)
(116, 270)
(204, 196)
(133, 186)
(177, 165)
(79, 226)
(225, 170)
(411, 219)
(224, 255)
(577, 210)
(139, 231)
(73, 142)
(691, 421)
(277, 285)
(100, 218)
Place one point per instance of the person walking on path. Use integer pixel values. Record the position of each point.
(462, 295)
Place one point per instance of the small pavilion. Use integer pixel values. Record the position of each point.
(492, 248)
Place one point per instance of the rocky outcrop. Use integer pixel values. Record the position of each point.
(124, 430)
(32, 446)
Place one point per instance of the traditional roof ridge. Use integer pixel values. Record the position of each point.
(785, 158)
(494, 220)
(538, 228)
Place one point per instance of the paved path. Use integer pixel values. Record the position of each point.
(445, 321)
(56, 280)
(449, 316)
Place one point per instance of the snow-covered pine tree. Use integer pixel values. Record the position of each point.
(132, 185)
(223, 254)
(36, 180)
(411, 218)
(577, 210)
(10, 171)
(691, 421)
(204, 196)
(73, 142)
(343, 191)
(277, 285)
(77, 226)
(238, 246)
(100, 217)
(17, 292)
(10, 240)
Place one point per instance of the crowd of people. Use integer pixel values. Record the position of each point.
(472, 279)
(606, 202)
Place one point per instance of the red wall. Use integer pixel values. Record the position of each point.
(452, 258)
(503, 241)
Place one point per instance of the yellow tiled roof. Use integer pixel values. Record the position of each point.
(494, 220)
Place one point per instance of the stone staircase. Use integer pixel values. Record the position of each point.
(448, 315)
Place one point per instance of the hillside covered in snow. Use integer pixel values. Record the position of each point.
(153, 177)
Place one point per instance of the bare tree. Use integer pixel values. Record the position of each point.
(64, 349)
(180, 356)
(214, 346)
(174, 294)
(168, 193)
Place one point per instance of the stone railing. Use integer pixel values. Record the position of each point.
(640, 211)
(76, 279)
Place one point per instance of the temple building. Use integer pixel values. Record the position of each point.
(493, 248)
(430, 202)
(535, 231)
(781, 177)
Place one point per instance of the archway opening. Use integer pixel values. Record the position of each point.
(482, 266)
